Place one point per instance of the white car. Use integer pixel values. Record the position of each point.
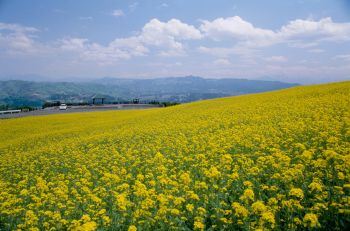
(63, 107)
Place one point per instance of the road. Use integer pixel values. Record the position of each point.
(74, 109)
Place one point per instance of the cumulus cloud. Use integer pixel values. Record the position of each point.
(243, 39)
(165, 36)
(324, 29)
(168, 35)
(297, 32)
(236, 44)
(234, 27)
(173, 27)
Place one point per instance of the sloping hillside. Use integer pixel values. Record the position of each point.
(275, 161)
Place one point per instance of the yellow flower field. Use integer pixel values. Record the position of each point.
(270, 161)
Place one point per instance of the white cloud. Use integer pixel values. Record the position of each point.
(16, 38)
(132, 45)
(118, 49)
(118, 13)
(168, 38)
(297, 33)
(168, 35)
(234, 27)
(238, 47)
(17, 28)
(324, 29)
(173, 28)
(73, 43)
(165, 36)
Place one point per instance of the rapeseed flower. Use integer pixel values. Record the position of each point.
(270, 161)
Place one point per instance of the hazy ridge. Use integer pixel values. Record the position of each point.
(175, 89)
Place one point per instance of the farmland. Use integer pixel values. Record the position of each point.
(270, 161)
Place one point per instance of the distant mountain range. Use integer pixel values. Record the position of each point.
(174, 89)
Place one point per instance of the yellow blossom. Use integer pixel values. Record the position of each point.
(297, 192)
(132, 228)
(311, 220)
(198, 225)
(189, 207)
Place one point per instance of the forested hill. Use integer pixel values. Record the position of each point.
(175, 89)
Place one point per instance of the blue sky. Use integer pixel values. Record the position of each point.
(305, 41)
